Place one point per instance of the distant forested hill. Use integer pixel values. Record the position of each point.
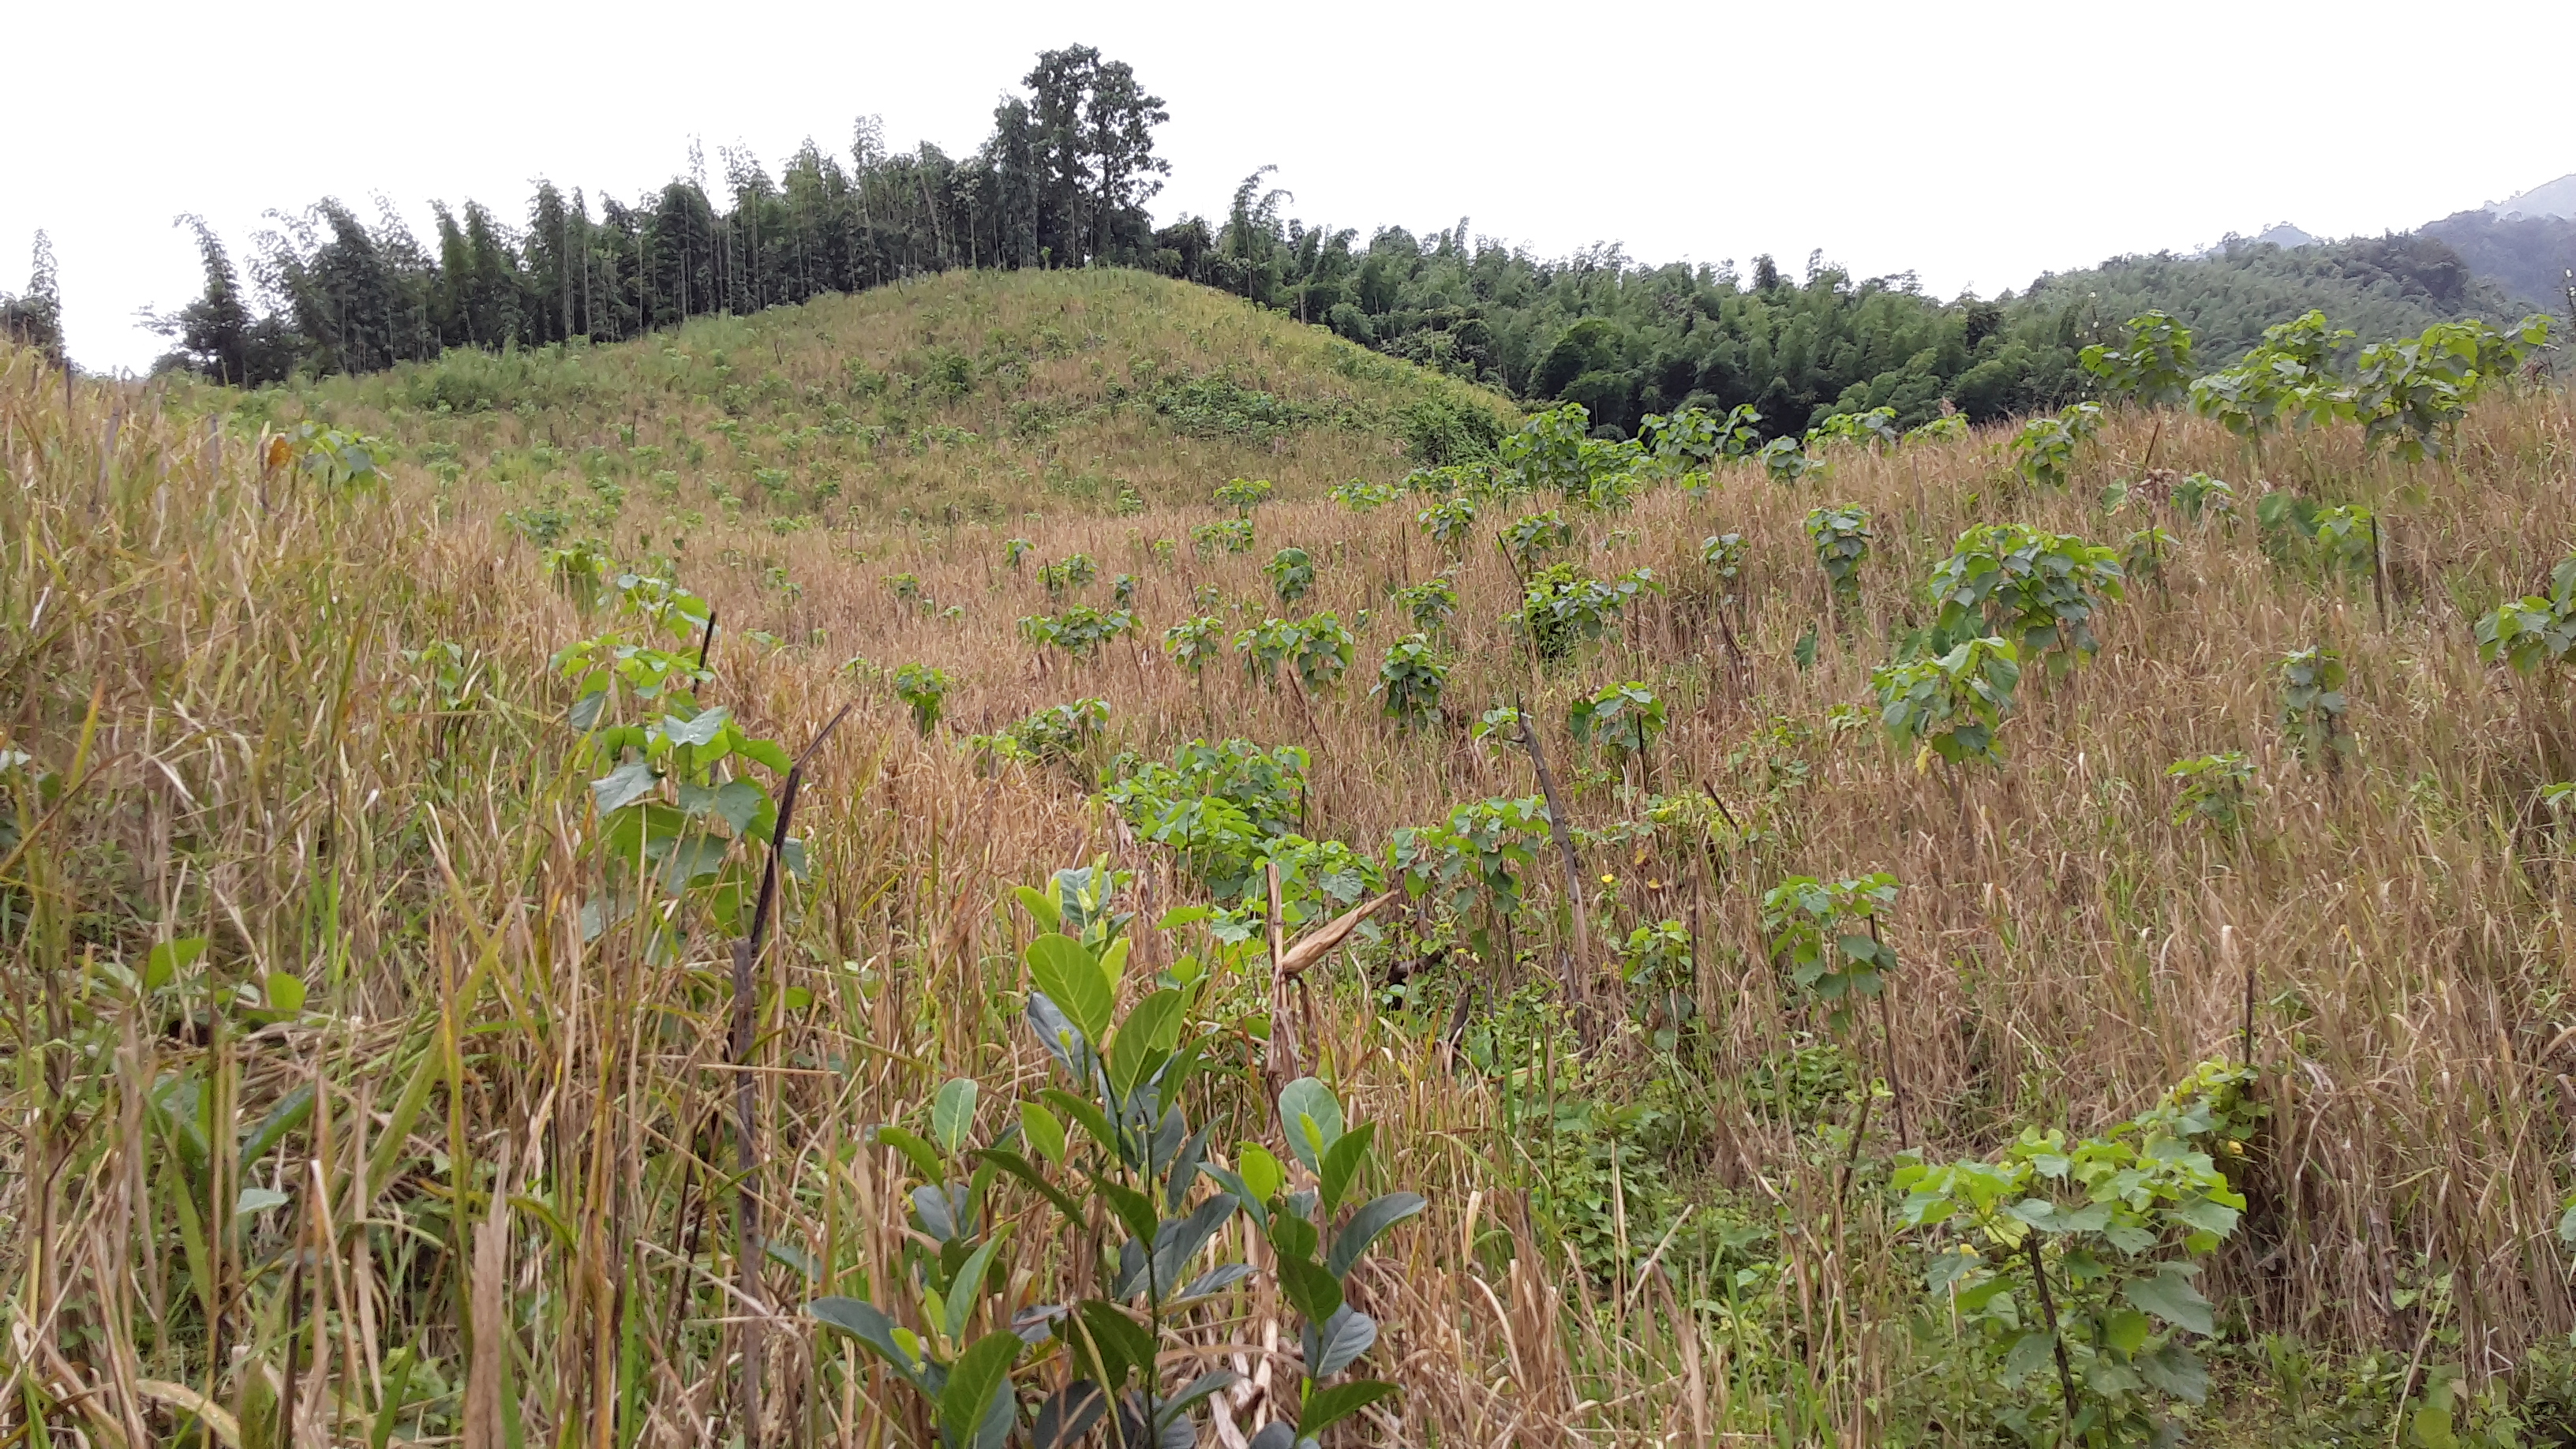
(1627, 339)
(2528, 256)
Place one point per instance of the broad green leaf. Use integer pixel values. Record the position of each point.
(701, 730)
(1133, 1209)
(2208, 1216)
(1040, 909)
(257, 1200)
(1044, 1130)
(952, 1113)
(623, 786)
(2125, 1329)
(1313, 1117)
(1316, 1293)
(2029, 1353)
(738, 802)
(289, 1114)
(170, 958)
(1342, 1162)
(284, 992)
(967, 1286)
(2177, 1371)
(1195, 1391)
(1264, 1176)
(923, 1156)
(1148, 1034)
(868, 1324)
(980, 1373)
(1072, 979)
(1326, 1407)
(1366, 1225)
(1124, 1346)
(2169, 1295)
(1093, 1120)
(1027, 1172)
(1344, 1336)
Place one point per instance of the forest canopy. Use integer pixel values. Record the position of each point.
(1063, 180)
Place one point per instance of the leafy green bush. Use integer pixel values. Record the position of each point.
(1243, 494)
(1474, 852)
(1429, 603)
(1217, 806)
(1314, 1256)
(2081, 1254)
(1951, 704)
(1067, 574)
(1448, 523)
(1224, 535)
(673, 793)
(1871, 430)
(2288, 375)
(2346, 539)
(1362, 496)
(1655, 965)
(1624, 719)
(1219, 407)
(2213, 789)
(2313, 703)
(1079, 630)
(1115, 1138)
(1691, 439)
(924, 690)
(1291, 573)
(2044, 450)
(1825, 934)
(1059, 734)
(1841, 537)
(2153, 370)
(1193, 642)
(2410, 395)
(2038, 591)
(1786, 460)
(2531, 632)
(1410, 680)
(1528, 537)
(1563, 608)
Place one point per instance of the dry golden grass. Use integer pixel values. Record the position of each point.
(212, 658)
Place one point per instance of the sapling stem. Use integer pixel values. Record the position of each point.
(2056, 1340)
(1887, 1032)
(1578, 981)
(746, 1094)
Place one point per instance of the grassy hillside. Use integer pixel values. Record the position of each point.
(316, 937)
(969, 396)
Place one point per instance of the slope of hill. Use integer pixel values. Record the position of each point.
(369, 1071)
(2381, 287)
(2551, 200)
(974, 395)
(2528, 256)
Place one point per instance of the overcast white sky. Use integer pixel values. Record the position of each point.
(1977, 144)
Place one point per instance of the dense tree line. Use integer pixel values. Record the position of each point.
(1062, 181)
(1626, 340)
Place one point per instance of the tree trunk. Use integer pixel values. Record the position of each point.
(1578, 979)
